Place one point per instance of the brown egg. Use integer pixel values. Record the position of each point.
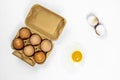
(39, 57)
(46, 45)
(28, 50)
(24, 33)
(18, 43)
(35, 39)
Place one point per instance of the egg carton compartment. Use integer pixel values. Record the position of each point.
(26, 59)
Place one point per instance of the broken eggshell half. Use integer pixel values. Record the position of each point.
(100, 30)
(92, 20)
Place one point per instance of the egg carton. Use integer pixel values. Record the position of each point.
(43, 22)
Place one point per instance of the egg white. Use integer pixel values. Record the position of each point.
(68, 63)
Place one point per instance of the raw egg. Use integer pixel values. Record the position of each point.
(18, 43)
(46, 45)
(77, 56)
(39, 57)
(24, 33)
(28, 50)
(35, 39)
(71, 63)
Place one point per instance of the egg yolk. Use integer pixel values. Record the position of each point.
(77, 56)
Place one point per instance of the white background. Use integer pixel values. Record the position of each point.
(101, 55)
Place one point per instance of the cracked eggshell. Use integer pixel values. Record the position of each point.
(100, 30)
(92, 20)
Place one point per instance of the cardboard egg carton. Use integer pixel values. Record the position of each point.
(43, 22)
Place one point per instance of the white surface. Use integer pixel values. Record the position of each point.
(101, 55)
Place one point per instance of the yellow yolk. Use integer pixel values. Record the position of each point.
(77, 56)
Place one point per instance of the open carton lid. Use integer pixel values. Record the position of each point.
(45, 22)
